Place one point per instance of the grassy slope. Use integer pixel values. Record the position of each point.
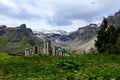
(78, 67)
(3, 43)
(10, 47)
(15, 39)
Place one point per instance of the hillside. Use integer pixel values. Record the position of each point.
(16, 39)
(85, 46)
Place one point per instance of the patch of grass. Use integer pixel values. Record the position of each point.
(4, 56)
(43, 67)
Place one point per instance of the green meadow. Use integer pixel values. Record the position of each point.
(76, 67)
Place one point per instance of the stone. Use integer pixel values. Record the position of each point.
(23, 26)
(3, 26)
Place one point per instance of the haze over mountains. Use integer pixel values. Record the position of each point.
(19, 38)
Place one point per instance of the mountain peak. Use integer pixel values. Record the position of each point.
(23, 26)
(117, 13)
(115, 19)
(3, 26)
(61, 32)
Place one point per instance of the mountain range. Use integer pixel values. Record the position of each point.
(72, 40)
(82, 39)
(14, 39)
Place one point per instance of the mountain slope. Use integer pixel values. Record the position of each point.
(16, 39)
(87, 46)
(112, 20)
(83, 38)
(72, 40)
(84, 33)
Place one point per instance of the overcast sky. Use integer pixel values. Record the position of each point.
(67, 15)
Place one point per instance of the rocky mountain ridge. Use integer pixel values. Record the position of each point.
(115, 19)
(17, 38)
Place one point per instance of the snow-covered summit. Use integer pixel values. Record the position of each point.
(51, 32)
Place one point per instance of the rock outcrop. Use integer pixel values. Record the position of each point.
(84, 33)
(115, 19)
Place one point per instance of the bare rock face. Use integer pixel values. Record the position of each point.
(16, 34)
(3, 26)
(115, 19)
(23, 26)
(26, 31)
(84, 33)
(2, 29)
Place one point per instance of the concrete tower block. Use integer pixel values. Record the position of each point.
(47, 48)
(30, 51)
(60, 53)
(54, 51)
(27, 52)
(39, 48)
(44, 47)
(57, 52)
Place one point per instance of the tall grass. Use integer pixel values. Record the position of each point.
(76, 67)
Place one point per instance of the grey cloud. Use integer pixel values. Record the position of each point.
(21, 15)
(64, 12)
(59, 22)
(67, 12)
(24, 15)
(92, 2)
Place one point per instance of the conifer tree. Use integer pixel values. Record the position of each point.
(118, 41)
(108, 38)
(112, 39)
(102, 38)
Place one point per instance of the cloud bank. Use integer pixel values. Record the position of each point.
(55, 14)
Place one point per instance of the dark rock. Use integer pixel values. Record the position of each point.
(3, 26)
(26, 31)
(84, 33)
(2, 29)
(115, 19)
(23, 26)
(2, 32)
